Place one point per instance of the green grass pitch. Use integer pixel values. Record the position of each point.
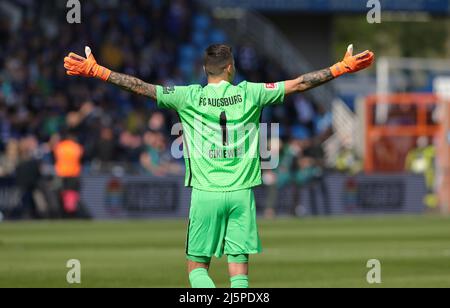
(413, 251)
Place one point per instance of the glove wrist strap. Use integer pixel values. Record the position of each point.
(102, 73)
(338, 69)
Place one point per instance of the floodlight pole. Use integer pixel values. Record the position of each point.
(383, 89)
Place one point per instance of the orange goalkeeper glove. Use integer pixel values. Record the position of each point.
(353, 64)
(86, 67)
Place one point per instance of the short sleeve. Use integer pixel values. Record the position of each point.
(172, 97)
(265, 94)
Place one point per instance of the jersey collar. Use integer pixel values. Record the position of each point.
(218, 84)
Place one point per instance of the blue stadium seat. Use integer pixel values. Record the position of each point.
(201, 22)
(300, 132)
(199, 38)
(187, 53)
(217, 36)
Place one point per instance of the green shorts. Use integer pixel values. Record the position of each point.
(222, 223)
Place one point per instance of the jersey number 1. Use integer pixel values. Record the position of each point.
(223, 125)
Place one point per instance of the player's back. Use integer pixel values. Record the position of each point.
(221, 131)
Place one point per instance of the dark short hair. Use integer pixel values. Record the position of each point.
(217, 58)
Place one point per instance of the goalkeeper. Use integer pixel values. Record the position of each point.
(221, 147)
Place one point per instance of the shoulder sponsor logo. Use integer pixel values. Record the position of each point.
(271, 86)
(169, 90)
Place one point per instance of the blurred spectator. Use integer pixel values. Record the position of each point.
(305, 113)
(105, 147)
(348, 160)
(157, 123)
(323, 124)
(422, 160)
(131, 147)
(68, 155)
(27, 178)
(10, 158)
(5, 127)
(310, 177)
(155, 159)
(282, 176)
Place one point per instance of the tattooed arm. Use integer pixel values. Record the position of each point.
(308, 81)
(133, 84)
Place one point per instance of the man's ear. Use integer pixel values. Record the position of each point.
(230, 68)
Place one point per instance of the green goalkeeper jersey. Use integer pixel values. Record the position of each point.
(221, 124)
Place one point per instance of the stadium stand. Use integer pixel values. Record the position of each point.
(158, 41)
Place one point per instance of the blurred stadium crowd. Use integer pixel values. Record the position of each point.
(159, 41)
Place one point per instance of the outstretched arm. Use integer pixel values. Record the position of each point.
(308, 81)
(88, 67)
(133, 84)
(350, 64)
